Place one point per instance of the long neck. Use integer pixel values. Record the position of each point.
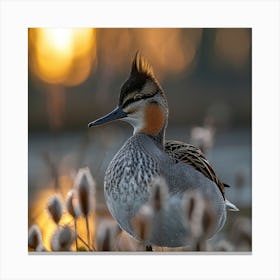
(160, 137)
(154, 122)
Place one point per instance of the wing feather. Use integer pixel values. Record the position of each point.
(189, 154)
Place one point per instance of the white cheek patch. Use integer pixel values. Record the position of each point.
(133, 107)
(136, 120)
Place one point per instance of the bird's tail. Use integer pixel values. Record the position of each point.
(231, 206)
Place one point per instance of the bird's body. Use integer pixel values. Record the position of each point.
(128, 182)
(146, 156)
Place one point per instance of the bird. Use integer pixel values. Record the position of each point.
(147, 156)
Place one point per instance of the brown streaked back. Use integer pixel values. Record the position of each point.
(189, 154)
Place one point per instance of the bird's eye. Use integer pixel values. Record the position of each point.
(153, 102)
(137, 96)
(127, 102)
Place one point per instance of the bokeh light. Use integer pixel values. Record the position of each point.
(233, 45)
(171, 50)
(205, 73)
(62, 55)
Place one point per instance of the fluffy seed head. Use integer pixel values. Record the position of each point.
(203, 137)
(70, 206)
(62, 239)
(54, 207)
(199, 215)
(142, 222)
(159, 193)
(85, 185)
(107, 233)
(34, 237)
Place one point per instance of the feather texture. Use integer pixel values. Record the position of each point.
(141, 66)
(189, 154)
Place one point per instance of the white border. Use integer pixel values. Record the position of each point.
(262, 16)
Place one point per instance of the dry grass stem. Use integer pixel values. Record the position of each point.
(72, 210)
(85, 186)
(88, 231)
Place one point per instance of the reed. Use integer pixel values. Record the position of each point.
(85, 186)
(73, 211)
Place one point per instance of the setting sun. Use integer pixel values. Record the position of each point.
(59, 52)
(60, 39)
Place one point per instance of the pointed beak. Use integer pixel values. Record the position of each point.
(116, 114)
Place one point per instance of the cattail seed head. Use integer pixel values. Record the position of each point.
(85, 185)
(70, 206)
(62, 239)
(107, 241)
(34, 237)
(203, 137)
(208, 219)
(54, 207)
(107, 233)
(142, 222)
(159, 193)
(199, 215)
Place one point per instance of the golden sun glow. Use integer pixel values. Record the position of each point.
(40, 216)
(60, 52)
(60, 39)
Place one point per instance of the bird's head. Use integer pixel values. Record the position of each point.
(142, 102)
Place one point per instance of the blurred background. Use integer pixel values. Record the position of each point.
(74, 77)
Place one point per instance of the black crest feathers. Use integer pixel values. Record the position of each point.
(141, 66)
(141, 73)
